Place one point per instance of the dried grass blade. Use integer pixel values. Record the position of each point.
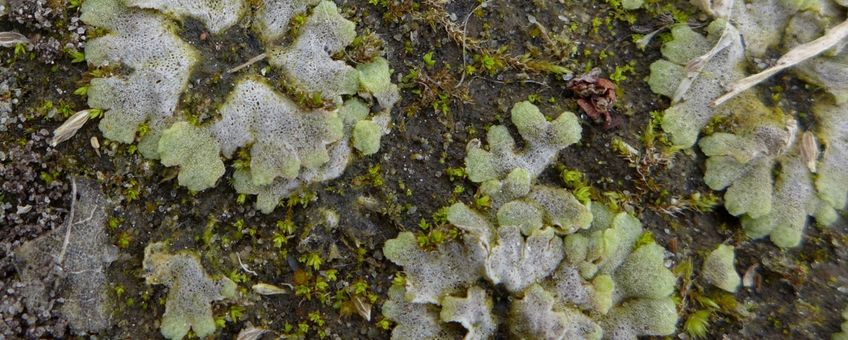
(809, 150)
(269, 289)
(362, 307)
(795, 56)
(251, 333)
(696, 65)
(70, 127)
(10, 39)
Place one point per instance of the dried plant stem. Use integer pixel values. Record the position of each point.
(252, 61)
(695, 66)
(70, 222)
(60, 259)
(244, 267)
(464, 38)
(795, 56)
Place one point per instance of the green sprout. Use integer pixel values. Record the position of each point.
(359, 287)
(304, 291)
(316, 318)
(311, 260)
(399, 280)
(697, 324)
(646, 238)
(237, 276)
(236, 312)
(119, 291)
(423, 224)
(618, 75)
(20, 49)
(279, 240)
(583, 194)
(115, 222)
(143, 130)
(576, 181)
(703, 203)
(483, 201)
(95, 113)
(455, 173)
(124, 240)
(429, 60)
(76, 56)
(82, 91)
(286, 226)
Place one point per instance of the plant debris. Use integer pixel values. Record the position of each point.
(596, 96)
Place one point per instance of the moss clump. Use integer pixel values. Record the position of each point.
(202, 167)
(161, 67)
(593, 283)
(543, 140)
(719, 269)
(771, 170)
(691, 110)
(843, 335)
(432, 275)
(596, 281)
(289, 145)
(190, 291)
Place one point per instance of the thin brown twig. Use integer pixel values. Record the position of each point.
(252, 61)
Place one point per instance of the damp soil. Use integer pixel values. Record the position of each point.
(798, 293)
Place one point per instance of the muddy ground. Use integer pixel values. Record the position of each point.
(798, 293)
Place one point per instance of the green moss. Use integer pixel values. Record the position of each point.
(544, 140)
(188, 305)
(719, 269)
(195, 151)
(366, 137)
